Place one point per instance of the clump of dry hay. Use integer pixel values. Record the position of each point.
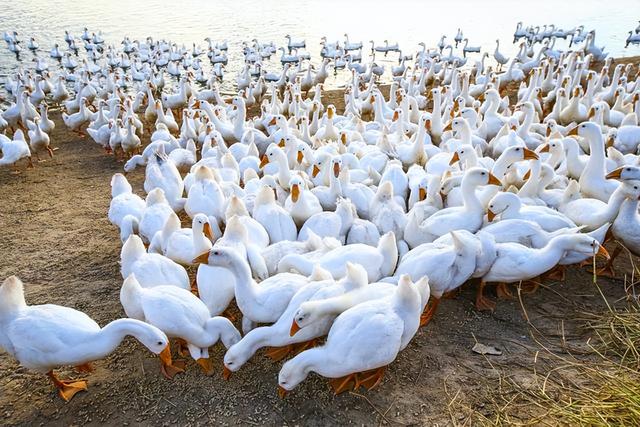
(595, 385)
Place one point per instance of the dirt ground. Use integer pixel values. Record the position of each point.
(57, 239)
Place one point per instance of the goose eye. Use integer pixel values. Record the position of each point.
(159, 342)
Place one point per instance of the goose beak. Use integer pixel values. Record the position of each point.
(336, 170)
(573, 132)
(592, 113)
(422, 194)
(343, 138)
(281, 143)
(490, 215)
(454, 159)
(295, 192)
(609, 142)
(206, 365)
(315, 171)
(448, 126)
(282, 392)
(545, 148)
(207, 231)
(165, 355)
(264, 161)
(300, 157)
(530, 154)
(294, 328)
(395, 116)
(527, 175)
(226, 373)
(616, 174)
(548, 131)
(272, 122)
(202, 258)
(493, 180)
(603, 253)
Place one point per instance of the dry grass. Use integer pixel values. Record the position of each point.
(598, 384)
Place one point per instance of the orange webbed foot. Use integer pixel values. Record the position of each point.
(370, 379)
(278, 353)
(67, 388)
(342, 384)
(503, 292)
(429, 311)
(482, 302)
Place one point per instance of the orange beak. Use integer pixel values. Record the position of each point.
(530, 155)
(336, 170)
(281, 143)
(448, 126)
(592, 113)
(527, 175)
(294, 328)
(343, 138)
(165, 355)
(207, 231)
(206, 365)
(300, 157)
(493, 180)
(609, 142)
(573, 132)
(603, 253)
(616, 174)
(490, 215)
(315, 171)
(282, 392)
(545, 148)
(295, 192)
(264, 161)
(395, 116)
(454, 159)
(226, 373)
(202, 258)
(422, 194)
(548, 131)
(272, 122)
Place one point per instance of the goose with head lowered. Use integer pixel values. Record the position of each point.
(179, 314)
(278, 336)
(516, 263)
(45, 337)
(362, 341)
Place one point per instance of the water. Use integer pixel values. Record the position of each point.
(404, 21)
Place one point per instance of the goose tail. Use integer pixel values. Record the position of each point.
(11, 295)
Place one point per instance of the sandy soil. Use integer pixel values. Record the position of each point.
(56, 237)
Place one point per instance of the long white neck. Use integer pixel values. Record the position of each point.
(108, 338)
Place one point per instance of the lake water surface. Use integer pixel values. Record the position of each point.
(404, 21)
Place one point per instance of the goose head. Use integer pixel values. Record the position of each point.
(480, 176)
(500, 203)
(201, 224)
(296, 185)
(336, 166)
(625, 173)
(220, 257)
